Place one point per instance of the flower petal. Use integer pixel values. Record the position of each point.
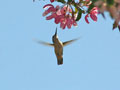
(51, 16)
(69, 22)
(93, 17)
(58, 18)
(51, 9)
(52, 1)
(48, 5)
(63, 23)
(86, 18)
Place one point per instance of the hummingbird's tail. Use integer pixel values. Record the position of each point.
(59, 60)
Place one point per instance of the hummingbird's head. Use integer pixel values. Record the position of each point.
(54, 36)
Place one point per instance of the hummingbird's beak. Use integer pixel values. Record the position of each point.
(56, 32)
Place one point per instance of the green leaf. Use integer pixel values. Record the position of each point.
(115, 25)
(79, 14)
(62, 1)
(103, 15)
(70, 0)
(110, 2)
(119, 28)
(90, 8)
(80, 11)
(91, 5)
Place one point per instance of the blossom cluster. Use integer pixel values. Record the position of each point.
(69, 13)
(61, 15)
(111, 6)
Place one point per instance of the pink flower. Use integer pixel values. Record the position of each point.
(66, 9)
(53, 15)
(50, 9)
(52, 1)
(67, 21)
(86, 18)
(58, 18)
(61, 15)
(93, 14)
(48, 5)
(63, 23)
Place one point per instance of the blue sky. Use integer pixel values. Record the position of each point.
(91, 63)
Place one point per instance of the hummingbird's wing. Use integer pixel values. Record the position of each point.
(69, 42)
(44, 43)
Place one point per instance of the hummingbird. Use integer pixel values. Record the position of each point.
(58, 47)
